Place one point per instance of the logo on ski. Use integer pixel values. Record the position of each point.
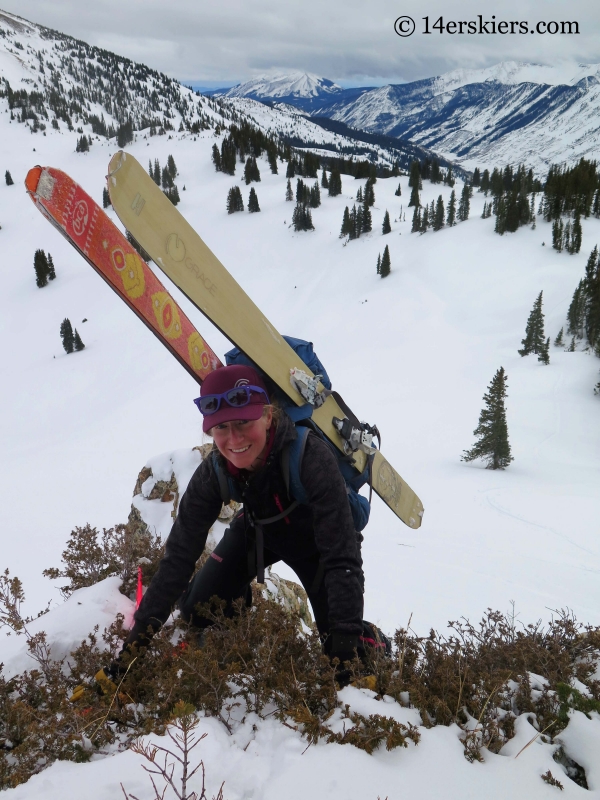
(177, 251)
(138, 204)
(389, 484)
(81, 217)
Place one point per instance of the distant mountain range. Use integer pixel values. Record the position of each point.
(509, 113)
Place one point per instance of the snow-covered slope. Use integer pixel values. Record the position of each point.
(475, 117)
(285, 86)
(483, 117)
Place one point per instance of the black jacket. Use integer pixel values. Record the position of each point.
(323, 526)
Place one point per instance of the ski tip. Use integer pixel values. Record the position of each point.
(116, 162)
(32, 179)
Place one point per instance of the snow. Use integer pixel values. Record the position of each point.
(290, 84)
(414, 352)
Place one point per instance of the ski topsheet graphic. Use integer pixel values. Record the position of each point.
(182, 255)
(85, 225)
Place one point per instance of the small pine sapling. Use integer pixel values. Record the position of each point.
(106, 197)
(253, 202)
(386, 227)
(66, 334)
(8, 178)
(534, 330)
(40, 265)
(77, 343)
(451, 213)
(386, 263)
(379, 264)
(398, 192)
(493, 445)
(289, 194)
(558, 342)
(51, 270)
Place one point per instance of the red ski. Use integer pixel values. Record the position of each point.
(91, 232)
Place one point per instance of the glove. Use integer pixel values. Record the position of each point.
(104, 685)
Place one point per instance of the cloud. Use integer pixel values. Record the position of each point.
(345, 40)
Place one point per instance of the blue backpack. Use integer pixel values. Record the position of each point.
(291, 457)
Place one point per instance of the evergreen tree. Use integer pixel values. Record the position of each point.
(171, 167)
(302, 218)
(173, 194)
(416, 221)
(558, 342)
(324, 181)
(386, 264)
(228, 156)
(484, 212)
(576, 235)
(576, 315)
(367, 220)
(51, 270)
(369, 195)
(544, 355)
(8, 178)
(592, 300)
(557, 235)
(40, 264)
(572, 347)
(414, 198)
(451, 213)
(346, 224)
(476, 177)
(359, 195)
(398, 192)
(314, 196)
(465, 203)
(424, 220)
(438, 217)
(386, 227)
(291, 169)
(82, 145)
(272, 158)
(253, 201)
(66, 334)
(335, 183)
(166, 179)
(216, 157)
(105, 198)
(414, 180)
(492, 430)
(251, 171)
(77, 343)
(156, 175)
(534, 330)
(289, 194)
(234, 200)
(485, 182)
(379, 264)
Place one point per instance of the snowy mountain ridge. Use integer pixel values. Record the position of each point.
(478, 117)
(285, 85)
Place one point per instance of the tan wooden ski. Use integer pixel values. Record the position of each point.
(179, 251)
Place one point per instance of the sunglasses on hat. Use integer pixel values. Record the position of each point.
(237, 397)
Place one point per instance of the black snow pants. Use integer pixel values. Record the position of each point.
(229, 572)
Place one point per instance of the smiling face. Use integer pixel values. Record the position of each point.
(243, 441)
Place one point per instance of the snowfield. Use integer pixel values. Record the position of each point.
(414, 353)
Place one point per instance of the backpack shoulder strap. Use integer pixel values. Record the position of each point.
(224, 484)
(291, 461)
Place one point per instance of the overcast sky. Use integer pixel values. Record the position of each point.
(222, 42)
